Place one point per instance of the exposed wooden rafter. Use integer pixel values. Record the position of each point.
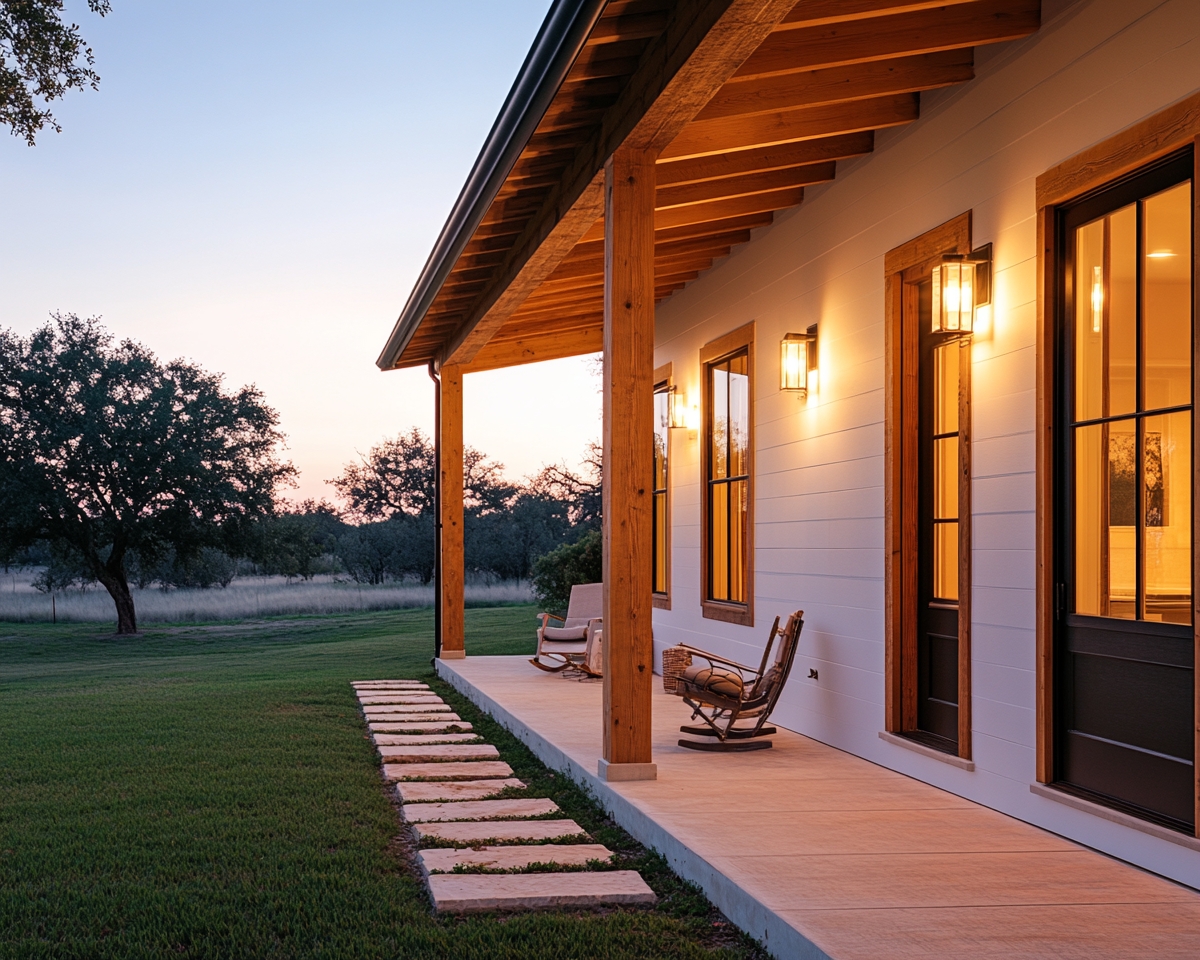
(745, 103)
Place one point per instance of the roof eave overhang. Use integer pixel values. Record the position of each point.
(558, 43)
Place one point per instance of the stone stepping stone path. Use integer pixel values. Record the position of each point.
(477, 810)
(444, 777)
(434, 752)
(412, 791)
(446, 771)
(408, 705)
(475, 893)
(421, 725)
(471, 832)
(437, 860)
(395, 739)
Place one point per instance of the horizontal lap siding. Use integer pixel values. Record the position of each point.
(1093, 69)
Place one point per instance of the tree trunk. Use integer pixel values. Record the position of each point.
(118, 588)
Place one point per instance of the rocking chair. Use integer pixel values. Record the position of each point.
(566, 645)
(722, 692)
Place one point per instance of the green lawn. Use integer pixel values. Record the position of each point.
(209, 791)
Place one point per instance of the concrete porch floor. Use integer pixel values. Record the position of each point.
(818, 853)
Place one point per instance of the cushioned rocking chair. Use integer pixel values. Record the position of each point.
(721, 692)
(562, 646)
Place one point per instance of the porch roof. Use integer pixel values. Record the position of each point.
(746, 102)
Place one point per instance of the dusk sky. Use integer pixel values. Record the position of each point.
(256, 187)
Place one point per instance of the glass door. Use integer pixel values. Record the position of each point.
(1125, 639)
(938, 453)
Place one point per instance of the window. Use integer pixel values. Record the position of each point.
(1124, 638)
(927, 505)
(661, 562)
(728, 471)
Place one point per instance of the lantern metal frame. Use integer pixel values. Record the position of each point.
(794, 378)
(676, 409)
(979, 264)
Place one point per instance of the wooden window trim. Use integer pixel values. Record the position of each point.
(662, 601)
(903, 268)
(740, 339)
(1137, 146)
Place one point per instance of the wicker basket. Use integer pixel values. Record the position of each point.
(674, 660)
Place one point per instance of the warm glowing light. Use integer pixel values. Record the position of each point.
(1160, 255)
(797, 354)
(983, 320)
(676, 409)
(954, 297)
(1097, 298)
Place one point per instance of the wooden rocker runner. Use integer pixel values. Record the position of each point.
(721, 691)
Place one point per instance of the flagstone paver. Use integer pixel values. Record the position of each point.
(383, 699)
(472, 832)
(397, 724)
(443, 860)
(430, 746)
(446, 771)
(400, 704)
(398, 739)
(446, 751)
(362, 684)
(411, 791)
(432, 726)
(470, 893)
(478, 809)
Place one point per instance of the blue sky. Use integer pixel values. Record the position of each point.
(256, 186)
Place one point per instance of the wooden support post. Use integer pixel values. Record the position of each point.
(450, 585)
(628, 463)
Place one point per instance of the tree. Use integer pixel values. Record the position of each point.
(557, 571)
(397, 476)
(105, 451)
(41, 58)
(581, 492)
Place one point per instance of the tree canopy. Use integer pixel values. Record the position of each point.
(41, 58)
(107, 453)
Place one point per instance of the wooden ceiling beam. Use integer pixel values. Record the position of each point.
(902, 34)
(857, 81)
(726, 187)
(594, 250)
(569, 285)
(760, 130)
(749, 221)
(553, 346)
(721, 209)
(678, 72)
(518, 328)
(811, 13)
(775, 157)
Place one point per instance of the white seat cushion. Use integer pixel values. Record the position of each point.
(565, 633)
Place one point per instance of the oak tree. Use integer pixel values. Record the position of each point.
(41, 58)
(106, 452)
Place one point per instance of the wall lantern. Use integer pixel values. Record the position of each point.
(797, 358)
(961, 285)
(676, 409)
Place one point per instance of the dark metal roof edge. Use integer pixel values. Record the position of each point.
(559, 41)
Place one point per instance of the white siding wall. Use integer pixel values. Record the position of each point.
(1093, 69)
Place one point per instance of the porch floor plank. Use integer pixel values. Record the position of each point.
(843, 858)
